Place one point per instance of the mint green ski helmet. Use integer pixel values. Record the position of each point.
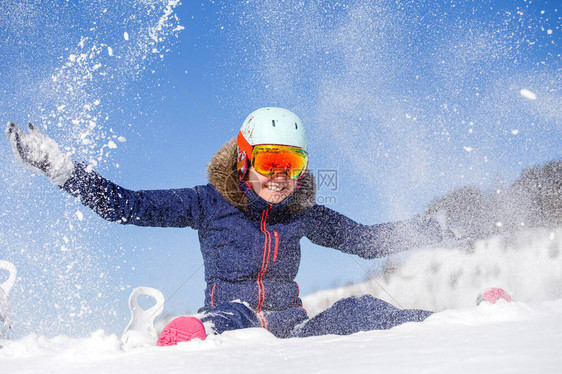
(269, 125)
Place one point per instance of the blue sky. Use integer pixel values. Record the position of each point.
(403, 101)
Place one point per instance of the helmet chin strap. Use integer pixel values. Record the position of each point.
(300, 179)
(248, 186)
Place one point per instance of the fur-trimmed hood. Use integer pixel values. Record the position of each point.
(223, 175)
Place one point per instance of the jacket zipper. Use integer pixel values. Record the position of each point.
(276, 234)
(265, 262)
(212, 295)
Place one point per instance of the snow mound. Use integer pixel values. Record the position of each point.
(527, 264)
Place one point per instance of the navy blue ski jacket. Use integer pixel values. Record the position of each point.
(251, 248)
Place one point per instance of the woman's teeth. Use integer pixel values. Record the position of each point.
(274, 188)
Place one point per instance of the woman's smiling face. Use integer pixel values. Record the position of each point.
(273, 189)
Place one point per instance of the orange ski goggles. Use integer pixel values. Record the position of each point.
(270, 159)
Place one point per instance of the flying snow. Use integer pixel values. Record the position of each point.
(528, 94)
(79, 65)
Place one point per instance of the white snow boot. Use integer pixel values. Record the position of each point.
(140, 331)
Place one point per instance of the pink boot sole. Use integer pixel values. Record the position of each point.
(492, 295)
(181, 329)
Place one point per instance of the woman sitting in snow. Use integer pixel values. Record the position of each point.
(258, 204)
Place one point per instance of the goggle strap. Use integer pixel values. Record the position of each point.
(246, 148)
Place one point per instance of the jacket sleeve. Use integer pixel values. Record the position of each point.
(329, 228)
(159, 208)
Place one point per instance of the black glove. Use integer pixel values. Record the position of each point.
(40, 153)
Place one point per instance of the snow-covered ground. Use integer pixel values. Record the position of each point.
(520, 337)
(501, 338)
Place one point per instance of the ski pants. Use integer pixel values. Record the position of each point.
(346, 316)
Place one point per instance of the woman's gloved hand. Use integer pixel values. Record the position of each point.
(40, 153)
(449, 230)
